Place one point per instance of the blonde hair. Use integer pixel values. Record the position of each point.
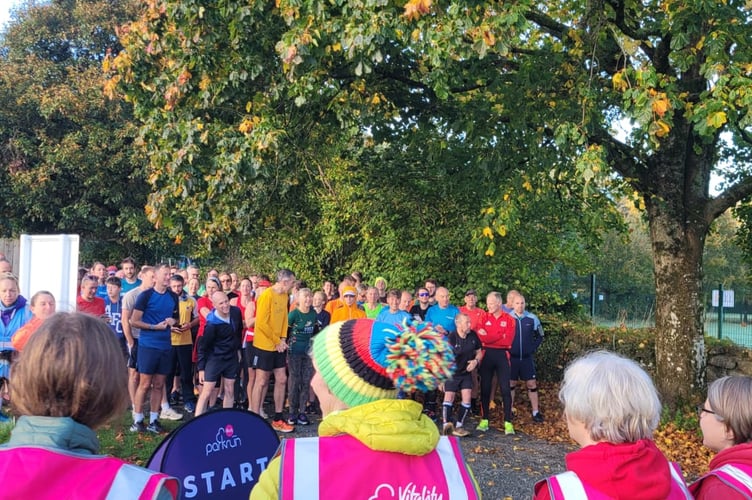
(71, 367)
(729, 398)
(612, 396)
(9, 276)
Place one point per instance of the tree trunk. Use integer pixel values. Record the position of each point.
(679, 345)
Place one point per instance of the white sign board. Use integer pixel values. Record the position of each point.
(728, 298)
(50, 262)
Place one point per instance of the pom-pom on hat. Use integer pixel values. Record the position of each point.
(363, 360)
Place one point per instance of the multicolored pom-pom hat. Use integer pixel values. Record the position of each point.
(363, 360)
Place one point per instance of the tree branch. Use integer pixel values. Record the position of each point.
(730, 197)
(554, 28)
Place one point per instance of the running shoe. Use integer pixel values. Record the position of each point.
(448, 429)
(139, 427)
(483, 425)
(460, 432)
(174, 398)
(155, 427)
(190, 407)
(303, 420)
(291, 420)
(170, 414)
(538, 418)
(282, 426)
(508, 428)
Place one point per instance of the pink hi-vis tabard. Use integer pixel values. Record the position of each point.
(567, 486)
(343, 467)
(76, 476)
(736, 476)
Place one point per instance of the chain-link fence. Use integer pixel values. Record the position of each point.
(610, 306)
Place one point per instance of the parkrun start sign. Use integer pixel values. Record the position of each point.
(217, 455)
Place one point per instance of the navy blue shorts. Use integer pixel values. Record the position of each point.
(133, 356)
(522, 368)
(217, 368)
(154, 361)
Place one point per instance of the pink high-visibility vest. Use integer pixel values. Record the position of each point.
(736, 476)
(567, 486)
(44, 473)
(343, 467)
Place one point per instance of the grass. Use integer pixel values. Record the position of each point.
(116, 439)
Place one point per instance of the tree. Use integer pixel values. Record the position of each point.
(67, 156)
(348, 170)
(531, 92)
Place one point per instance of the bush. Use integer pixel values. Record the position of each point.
(566, 340)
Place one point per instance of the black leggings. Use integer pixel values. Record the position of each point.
(495, 361)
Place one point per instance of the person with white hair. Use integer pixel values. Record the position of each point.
(726, 423)
(612, 409)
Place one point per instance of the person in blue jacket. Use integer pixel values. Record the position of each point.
(527, 338)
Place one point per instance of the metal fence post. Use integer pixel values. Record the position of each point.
(720, 311)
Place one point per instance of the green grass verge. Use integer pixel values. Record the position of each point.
(118, 441)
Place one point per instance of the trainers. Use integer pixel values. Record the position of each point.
(460, 432)
(448, 429)
(190, 407)
(170, 414)
(538, 418)
(282, 426)
(291, 420)
(139, 427)
(155, 427)
(483, 425)
(508, 428)
(174, 398)
(303, 420)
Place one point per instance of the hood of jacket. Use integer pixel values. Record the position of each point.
(623, 471)
(396, 425)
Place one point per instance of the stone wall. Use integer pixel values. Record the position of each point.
(728, 360)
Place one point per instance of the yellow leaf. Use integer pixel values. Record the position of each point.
(619, 82)
(414, 9)
(716, 120)
(489, 38)
(660, 104)
(503, 230)
(662, 128)
(245, 126)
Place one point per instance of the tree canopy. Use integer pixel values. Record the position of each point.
(253, 112)
(67, 153)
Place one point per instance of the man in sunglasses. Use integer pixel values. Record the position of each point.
(419, 310)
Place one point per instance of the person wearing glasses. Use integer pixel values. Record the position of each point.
(726, 423)
(420, 308)
(612, 409)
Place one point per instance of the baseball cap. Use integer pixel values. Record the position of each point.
(470, 291)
